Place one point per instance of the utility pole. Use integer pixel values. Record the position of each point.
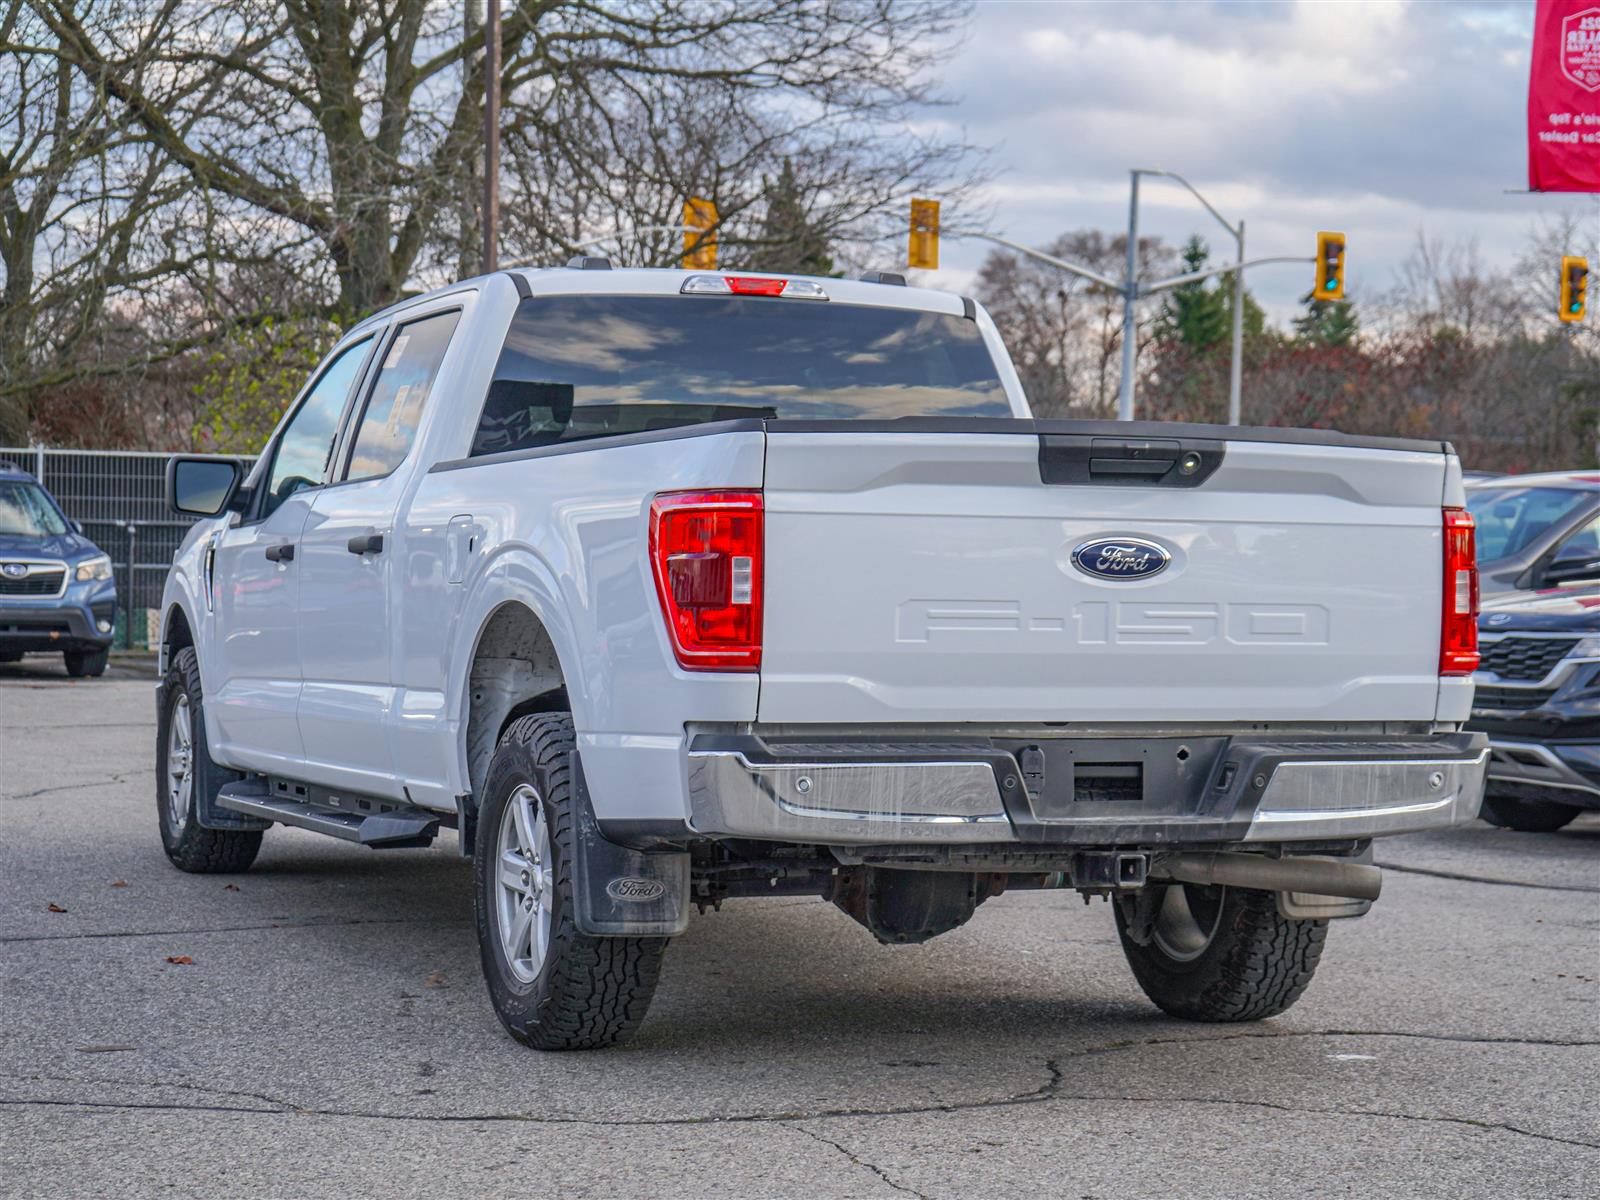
(1130, 297)
(491, 138)
(1236, 362)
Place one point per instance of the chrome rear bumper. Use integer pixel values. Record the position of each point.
(977, 792)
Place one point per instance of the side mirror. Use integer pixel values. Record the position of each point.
(77, 528)
(203, 487)
(1571, 570)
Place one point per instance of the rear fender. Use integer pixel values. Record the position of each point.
(516, 576)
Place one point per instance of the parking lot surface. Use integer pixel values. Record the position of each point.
(325, 1032)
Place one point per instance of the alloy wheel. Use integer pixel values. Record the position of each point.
(525, 884)
(180, 765)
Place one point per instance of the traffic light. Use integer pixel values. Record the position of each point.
(1574, 287)
(699, 235)
(924, 250)
(1330, 267)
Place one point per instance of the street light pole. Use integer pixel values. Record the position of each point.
(1130, 295)
(491, 138)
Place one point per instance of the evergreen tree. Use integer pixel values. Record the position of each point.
(1197, 314)
(1327, 322)
(790, 240)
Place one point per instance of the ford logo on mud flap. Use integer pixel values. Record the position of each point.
(631, 890)
(1120, 558)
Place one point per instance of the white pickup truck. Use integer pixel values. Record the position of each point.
(662, 587)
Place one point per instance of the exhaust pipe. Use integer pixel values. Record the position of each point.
(1314, 875)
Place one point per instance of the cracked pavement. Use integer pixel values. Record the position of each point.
(331, 1035)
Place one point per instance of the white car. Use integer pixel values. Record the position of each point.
(665, 587)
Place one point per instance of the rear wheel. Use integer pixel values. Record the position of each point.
(1217, 953)
(86, 663)
(552, 987)
(1527, 816)
(183, 769)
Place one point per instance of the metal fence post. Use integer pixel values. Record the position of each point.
(127, 603)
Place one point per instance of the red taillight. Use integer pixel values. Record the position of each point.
(1458, 632)
(705, 550)
(753, 285)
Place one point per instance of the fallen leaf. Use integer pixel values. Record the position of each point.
(434, 979)
(180, 960)
(232, 887)
(54, 907)
(119, 883)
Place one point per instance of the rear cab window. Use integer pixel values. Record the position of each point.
(579, 367)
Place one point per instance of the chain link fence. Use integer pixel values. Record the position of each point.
(118, 497)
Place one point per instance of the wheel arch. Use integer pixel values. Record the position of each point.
(177, 631)
(515, 669)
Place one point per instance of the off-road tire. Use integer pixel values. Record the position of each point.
(590, 992)
(1256, 965)
(1527, 816)
(194, 848)
(82, 664)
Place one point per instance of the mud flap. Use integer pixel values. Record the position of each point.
(619, 891)
(208, 781)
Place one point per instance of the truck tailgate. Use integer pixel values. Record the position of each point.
(929, 577)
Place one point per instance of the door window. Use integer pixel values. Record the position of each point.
(1578, 557)
(301, 458)
(394, 406)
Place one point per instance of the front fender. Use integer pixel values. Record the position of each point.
(185, 591)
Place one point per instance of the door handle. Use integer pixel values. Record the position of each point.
(370, 543)
(281, 553)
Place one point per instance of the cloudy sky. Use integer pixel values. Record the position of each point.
(1379, 119)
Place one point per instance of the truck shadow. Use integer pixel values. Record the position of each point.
(757, 977)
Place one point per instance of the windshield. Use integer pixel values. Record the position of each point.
(25, 511)
(586, 366)
(1511, 518)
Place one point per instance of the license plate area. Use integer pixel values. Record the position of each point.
(1076, 779)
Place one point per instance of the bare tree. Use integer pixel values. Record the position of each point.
(1065, 332)
(354, 124)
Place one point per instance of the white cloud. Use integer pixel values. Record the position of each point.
(1376, 118)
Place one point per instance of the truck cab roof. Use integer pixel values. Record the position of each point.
(881, 289)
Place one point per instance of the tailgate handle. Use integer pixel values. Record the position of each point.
(1140, 462)
(1147, 457)
(1129, 466)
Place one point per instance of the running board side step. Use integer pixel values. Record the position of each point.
(394, 827)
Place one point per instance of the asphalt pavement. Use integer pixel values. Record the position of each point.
(318, 1027)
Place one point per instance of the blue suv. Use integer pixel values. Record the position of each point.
(56, 589)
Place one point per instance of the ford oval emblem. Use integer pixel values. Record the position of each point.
(1120, 558)
(633, 890)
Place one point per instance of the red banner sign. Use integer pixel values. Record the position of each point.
(1564, 98)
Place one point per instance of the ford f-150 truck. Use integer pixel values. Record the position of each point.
(662, 588)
